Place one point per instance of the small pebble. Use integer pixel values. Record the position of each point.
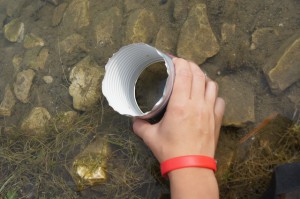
(48, 79)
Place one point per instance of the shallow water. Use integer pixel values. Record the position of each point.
(251, 36)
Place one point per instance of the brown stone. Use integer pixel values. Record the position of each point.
(37, 120)
(77, 15)
(23, 84)
(58, 14)
(166, 39)
(108, 26)
(282, 69)
(141, 27)
(86, 78)
(197, 41)
(239, 99)
(8, 102)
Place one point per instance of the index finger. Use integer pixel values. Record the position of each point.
(183, 80)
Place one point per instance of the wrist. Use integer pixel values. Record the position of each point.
(191, 172)
(188, 161)
(193, 183)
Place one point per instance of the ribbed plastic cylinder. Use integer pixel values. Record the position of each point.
(122, 72)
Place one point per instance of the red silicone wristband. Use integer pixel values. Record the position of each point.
(187, 161)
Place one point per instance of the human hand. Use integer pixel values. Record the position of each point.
(192, 121)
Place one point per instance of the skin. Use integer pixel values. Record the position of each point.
(190, 126)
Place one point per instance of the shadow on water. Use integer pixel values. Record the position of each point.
(49, 38)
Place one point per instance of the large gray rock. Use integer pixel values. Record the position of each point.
(23, 84)
(166, 39)
(86, 78)
(283, 68)
(77, 15)
(8, 102)
(14, 31)
(141, 27)
(197, 41)
(108, 26)
(37, 120)
(239, 98)
(58, 14)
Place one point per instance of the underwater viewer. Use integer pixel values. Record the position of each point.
(185, 139)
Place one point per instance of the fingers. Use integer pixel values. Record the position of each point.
(198, 84)
(183, 81)
(143, 129)
(211, 92)
(140, 127)
(219, 112)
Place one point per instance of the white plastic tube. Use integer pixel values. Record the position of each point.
(122, 72)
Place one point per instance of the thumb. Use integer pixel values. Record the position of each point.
(141, 127)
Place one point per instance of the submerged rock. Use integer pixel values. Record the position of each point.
(108, 26)
(239, 98)
(36, 121)
(85, 88)
(58, 14)
(180, 11)
(166, 39)
(23, 84)
(8, 102)
(141, 27)
(66, 120)
(77, 15)
(48, 79)
(228, 32)
(72, 43)
(197, 41)
(294, 94)
(17, 61)
(31, 41)
(14, 7)
(90, 166)
(53, 2)
(69, 117)
(36, 58)
(235, 52)
(14, 31)
(132, 4)
(282, 69)
(260, 37)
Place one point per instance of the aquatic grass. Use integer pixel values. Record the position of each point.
(249, 175)
(37, 166)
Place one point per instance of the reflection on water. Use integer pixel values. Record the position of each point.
(53, 51)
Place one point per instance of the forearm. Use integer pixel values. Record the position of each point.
(193, 183)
